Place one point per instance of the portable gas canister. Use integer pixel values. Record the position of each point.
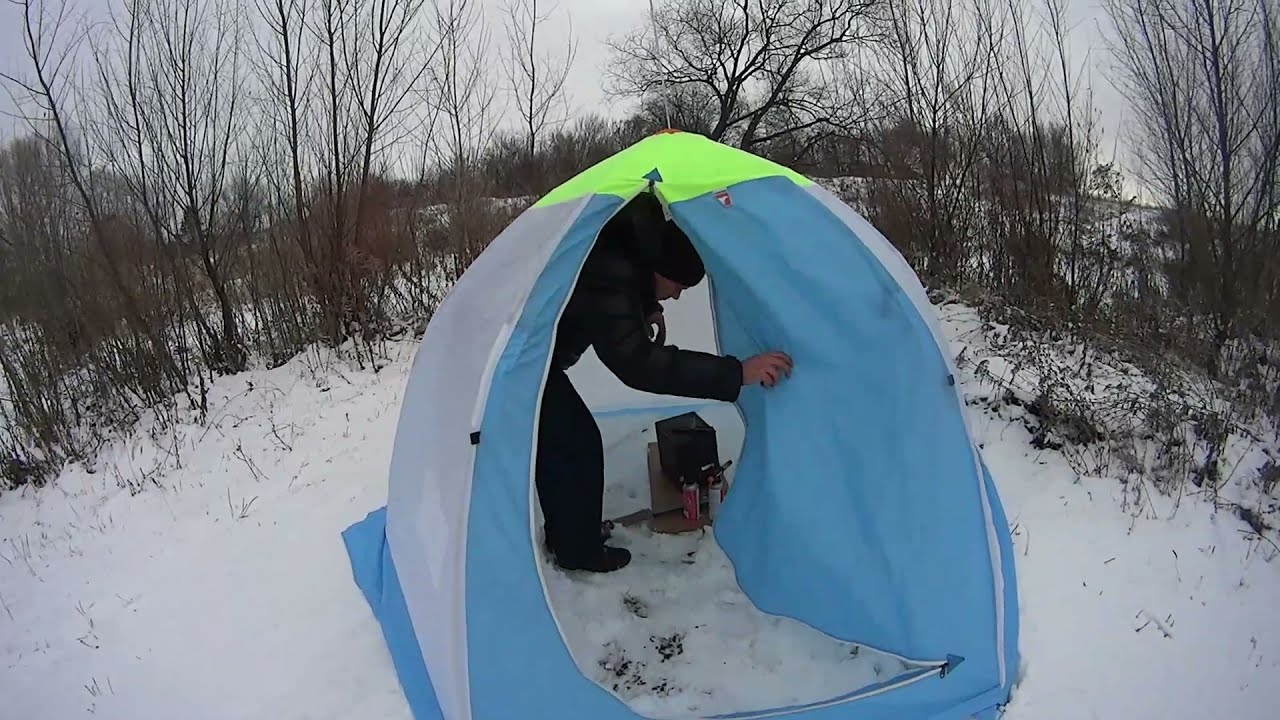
(692, 501)
(715, 496)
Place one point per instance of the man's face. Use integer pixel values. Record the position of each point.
(666, 288)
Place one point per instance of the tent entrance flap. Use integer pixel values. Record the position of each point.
(831, 464)
(627, 420)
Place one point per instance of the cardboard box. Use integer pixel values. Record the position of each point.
(666, 506)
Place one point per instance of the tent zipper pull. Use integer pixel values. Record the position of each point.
(952, 662)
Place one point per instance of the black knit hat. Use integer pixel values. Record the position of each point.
(677, 259)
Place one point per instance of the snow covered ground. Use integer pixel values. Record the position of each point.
(673, 635)
(212, 582)
(221, 588)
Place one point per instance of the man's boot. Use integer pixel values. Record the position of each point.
(605, 559)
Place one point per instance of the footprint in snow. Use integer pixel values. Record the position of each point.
(636, 606)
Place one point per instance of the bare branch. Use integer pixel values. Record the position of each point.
(536, 78)
(755, 58)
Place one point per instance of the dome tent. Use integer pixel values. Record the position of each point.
(861, 503)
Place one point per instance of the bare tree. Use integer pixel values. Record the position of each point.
(1079, 140)
(1204, 80)
(385, 68)
(940, 86)
(171, 87)
(691, 108)
(285, 77)
(460, 81)
(466, 96)
(385, 72)
(536, 77)
(51, 40)
(1022, 141)
(287, 268)
(762, 61)
(338, 128)
(338, 75)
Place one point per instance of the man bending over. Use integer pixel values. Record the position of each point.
(639, 260)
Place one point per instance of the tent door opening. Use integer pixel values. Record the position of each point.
(673, 635)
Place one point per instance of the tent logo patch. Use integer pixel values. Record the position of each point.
(724, 198)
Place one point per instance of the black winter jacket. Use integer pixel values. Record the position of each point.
(608, 311)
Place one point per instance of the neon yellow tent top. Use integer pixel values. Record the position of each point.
(688, 165)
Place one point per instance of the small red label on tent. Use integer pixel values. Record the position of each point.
(724, 198)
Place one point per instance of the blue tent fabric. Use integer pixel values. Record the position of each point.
(375, 575)
(514, 623)
(861, 505)
(863, 479)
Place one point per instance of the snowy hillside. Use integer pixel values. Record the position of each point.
(199, 573)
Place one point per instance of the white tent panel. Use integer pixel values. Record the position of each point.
(431, 467)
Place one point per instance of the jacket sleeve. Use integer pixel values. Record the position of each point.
(622, 343)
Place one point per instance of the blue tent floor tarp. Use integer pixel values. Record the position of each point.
(375, 575)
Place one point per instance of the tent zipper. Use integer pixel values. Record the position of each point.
(939, 668)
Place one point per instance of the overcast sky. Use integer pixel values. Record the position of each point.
(594, 20)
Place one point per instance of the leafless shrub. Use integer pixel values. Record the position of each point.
(71, 364)
(1153, 421)
(1204, 81)
(562, 154)
(1269, 477)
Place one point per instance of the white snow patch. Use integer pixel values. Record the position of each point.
(672, 634)
(221, 589)
(1133, 604)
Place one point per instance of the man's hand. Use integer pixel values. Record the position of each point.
(767, 368)
(660, 321)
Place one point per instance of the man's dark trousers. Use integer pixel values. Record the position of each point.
(570, 471)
